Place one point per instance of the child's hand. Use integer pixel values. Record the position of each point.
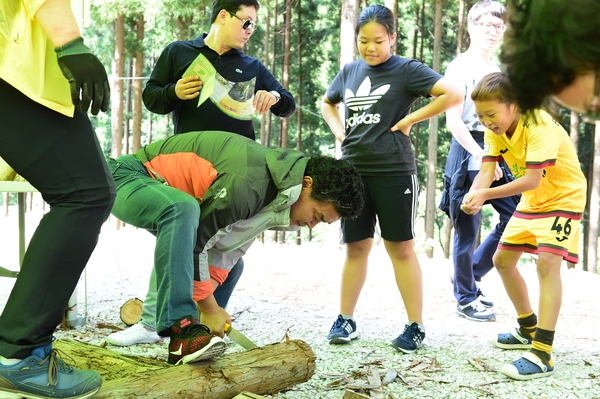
(472, 203)
(403, 126)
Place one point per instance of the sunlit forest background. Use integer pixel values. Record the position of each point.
(303, 43)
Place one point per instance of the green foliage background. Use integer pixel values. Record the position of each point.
(316, 39)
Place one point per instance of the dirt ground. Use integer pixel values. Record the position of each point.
(295, 289)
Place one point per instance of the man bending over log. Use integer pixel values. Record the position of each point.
(206, 196)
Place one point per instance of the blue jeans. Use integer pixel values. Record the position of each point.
(472, 264)
(221, 294)
(173, 217)
(61, 157)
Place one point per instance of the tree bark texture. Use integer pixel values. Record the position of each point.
(594, 213)
(117, 89)
(430, 206)
(299, 40)
(264, 139)
(265, 371)
(287, 37)
(574, 134)
(137, 83)
(347, 24)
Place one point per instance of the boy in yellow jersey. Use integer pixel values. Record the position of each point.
(546, 221)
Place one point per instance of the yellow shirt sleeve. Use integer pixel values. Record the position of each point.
(27, 58)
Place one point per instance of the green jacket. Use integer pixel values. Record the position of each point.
(232, 177)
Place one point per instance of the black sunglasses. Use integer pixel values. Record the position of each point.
(246, 23)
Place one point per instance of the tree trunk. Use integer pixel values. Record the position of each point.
(416, 31)
(574, 129)
(419, 103)
(264, 370)
(574, 134)
(349, 15)
(264, 120)
(347, 25)
(461, 27)
(269, 133)
(137, 86)
(430, 207)
(594, 212)
(422, 31)
(117, 90)
(127, 111)
(447, 237)
(281, 237)
(287, 32)
(588, 172)
(299, 38)
(393, 5)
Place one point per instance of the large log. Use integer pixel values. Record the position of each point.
(110, 364)
(265, 371)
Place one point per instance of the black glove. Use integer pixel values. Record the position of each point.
(86, 75)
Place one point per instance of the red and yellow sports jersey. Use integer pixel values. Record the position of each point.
(541, 143)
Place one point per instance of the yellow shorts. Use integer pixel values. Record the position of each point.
(555, 234)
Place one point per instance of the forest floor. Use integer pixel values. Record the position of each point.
(294, 290)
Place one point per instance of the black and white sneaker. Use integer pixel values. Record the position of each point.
(411, 338)
(485, 301)
(343, 331)
(475, 311)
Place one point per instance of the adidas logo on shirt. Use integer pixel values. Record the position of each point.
(362, 101)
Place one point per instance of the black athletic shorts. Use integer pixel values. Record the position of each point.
(393, 201)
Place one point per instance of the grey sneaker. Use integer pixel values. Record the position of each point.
(343, 331)
(475, 311)
(411, 338)
(45, 375)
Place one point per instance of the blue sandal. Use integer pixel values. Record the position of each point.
(527, 367)
(512, 340)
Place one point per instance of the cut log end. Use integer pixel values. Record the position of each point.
(131, 311)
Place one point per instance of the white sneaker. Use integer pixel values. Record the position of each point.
(135, 334)
(475, 311)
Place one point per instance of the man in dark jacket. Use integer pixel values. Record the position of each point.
(209, 84)
(216, 191)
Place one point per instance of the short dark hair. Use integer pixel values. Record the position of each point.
(336, 181)
(547, 44)
(495, 86)
(380, 14)
(485, 7)
(231, 6)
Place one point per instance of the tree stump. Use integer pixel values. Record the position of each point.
(264, 371)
